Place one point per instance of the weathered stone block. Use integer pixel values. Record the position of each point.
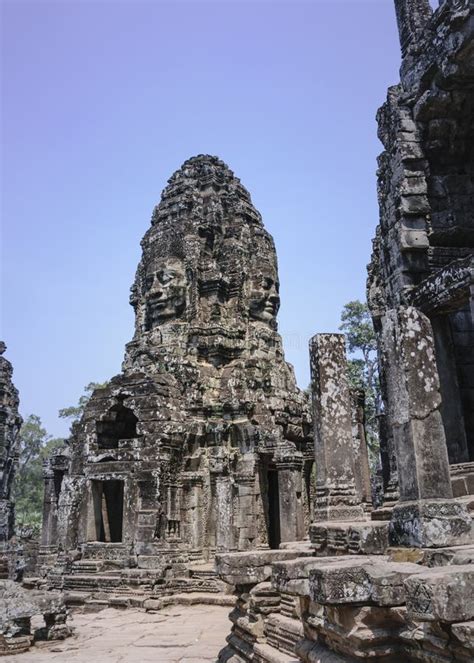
(250, 568)
(430, 523)
(445, 594)
(340, 582)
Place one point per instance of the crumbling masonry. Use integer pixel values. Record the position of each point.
(396, 584)
(202, 443)
(10, 422)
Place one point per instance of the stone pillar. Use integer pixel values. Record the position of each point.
(246, 516)
(426, 515)
(290, 497)
(336, 496)
(192, 509)
(359, 442)
(389, 463)
(223, 513)
(50, 513)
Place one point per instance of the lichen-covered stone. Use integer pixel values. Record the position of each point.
(10, 423)
(442, 593)
(201, 443)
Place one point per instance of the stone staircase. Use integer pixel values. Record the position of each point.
(89, 584)
(283, 633)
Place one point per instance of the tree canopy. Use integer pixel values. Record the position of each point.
(356, 323)
(34, 447)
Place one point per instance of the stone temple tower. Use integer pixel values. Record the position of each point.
(202, 442)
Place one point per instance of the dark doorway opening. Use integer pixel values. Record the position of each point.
(274, 537)
(454, 344)
(58, 476)
(107, 498)
(119, 424)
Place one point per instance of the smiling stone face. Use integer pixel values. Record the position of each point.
(264, 298)
(164, 291)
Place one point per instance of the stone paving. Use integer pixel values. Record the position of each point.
(191, 634)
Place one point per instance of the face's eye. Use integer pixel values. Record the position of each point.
(149, 282)
(267, 283)
(166, 277)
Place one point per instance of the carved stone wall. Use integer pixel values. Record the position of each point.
(424, 245)
(10, 422)
(201, 442)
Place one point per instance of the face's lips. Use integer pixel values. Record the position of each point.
(158, 302)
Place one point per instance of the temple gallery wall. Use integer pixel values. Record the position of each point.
(201, 472)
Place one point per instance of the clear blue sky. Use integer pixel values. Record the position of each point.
(103, 101)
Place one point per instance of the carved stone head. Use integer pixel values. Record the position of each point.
(264, 299)
(164, 291)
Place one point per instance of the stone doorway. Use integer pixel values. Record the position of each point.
(274, 535)
(106, 516)
(454, 343)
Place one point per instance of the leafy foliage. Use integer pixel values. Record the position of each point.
(35, 446)
(356, 323)
(75, 412)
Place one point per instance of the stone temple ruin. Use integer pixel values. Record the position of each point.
(18, 605)
(204, 449)
(202, 443)
(10, 422)
(397, 583)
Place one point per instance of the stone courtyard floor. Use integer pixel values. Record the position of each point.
(178, 634)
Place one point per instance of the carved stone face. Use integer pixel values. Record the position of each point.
(164, 291)
(264, 298)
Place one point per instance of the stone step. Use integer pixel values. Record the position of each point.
(283, 632)
(86, 567)
(265, 653)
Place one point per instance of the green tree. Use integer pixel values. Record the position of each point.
(356, 323)
(75, 412)
(34, 447)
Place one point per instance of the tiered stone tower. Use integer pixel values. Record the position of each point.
(202, 442)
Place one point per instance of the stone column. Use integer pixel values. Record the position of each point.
(290, 497)
(223, 514)
(387, 446)
(246, 516)
(359, 441)
(192, 509)
(426, 515)
(336, 496)
(389, 463)
(50, 514)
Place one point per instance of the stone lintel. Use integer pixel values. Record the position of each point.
(446, 290)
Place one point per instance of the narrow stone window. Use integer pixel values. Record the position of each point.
(119, 424)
